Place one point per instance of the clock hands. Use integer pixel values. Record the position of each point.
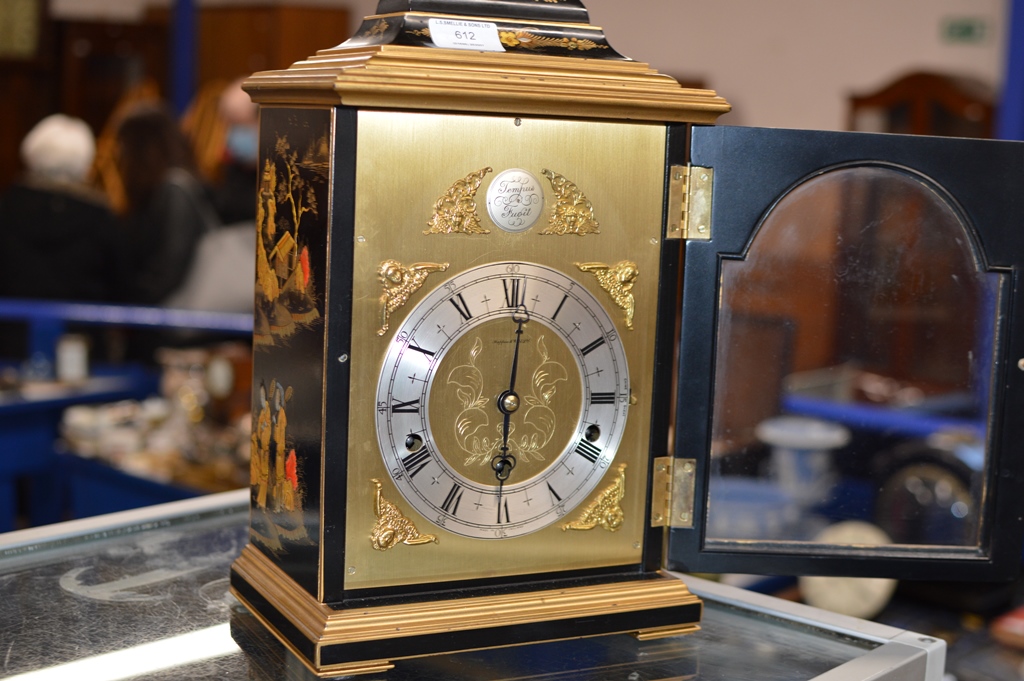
(508, 403)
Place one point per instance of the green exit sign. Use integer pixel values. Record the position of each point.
(964, 30)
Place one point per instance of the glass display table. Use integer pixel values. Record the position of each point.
(143, 594)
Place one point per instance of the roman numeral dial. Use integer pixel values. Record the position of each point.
(447, 409)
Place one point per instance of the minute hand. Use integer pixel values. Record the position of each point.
(520, 317)
(508, 402)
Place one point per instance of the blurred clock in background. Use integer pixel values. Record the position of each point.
(862, 597)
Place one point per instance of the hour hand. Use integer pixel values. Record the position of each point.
(503, 463)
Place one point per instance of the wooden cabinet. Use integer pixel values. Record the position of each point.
(236, 40)
(26, 49)
(102, 61)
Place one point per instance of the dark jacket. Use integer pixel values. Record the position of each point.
(165, 234)
(59, 242)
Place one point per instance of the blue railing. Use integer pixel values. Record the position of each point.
(47, 320)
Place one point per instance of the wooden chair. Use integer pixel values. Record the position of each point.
(925, 103)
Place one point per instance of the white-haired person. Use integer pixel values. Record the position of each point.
(58, 238)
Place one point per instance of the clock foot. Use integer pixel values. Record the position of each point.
(666, 632)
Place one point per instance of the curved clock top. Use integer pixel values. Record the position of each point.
(438, 420)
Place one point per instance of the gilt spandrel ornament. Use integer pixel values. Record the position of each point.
(399, 282)
(392, 527)
(573, 213)
(455, 210)
(617, 280)
(606, 510)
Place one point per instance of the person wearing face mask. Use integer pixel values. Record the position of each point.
(221, 232)
(235, 193)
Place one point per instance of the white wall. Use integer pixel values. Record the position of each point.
(792, 63)
(781, 63)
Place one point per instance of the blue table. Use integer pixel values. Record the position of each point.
(29, 422)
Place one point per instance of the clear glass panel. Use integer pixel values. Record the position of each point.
(145, 596)
(852, 378)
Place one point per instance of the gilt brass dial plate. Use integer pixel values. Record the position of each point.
(424, 181)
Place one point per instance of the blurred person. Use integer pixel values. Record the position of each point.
(183, 256)
(168, 208)
(235, 193)
(59, 239)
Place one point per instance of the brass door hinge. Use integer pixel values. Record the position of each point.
(672, 492)
(689, 202)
